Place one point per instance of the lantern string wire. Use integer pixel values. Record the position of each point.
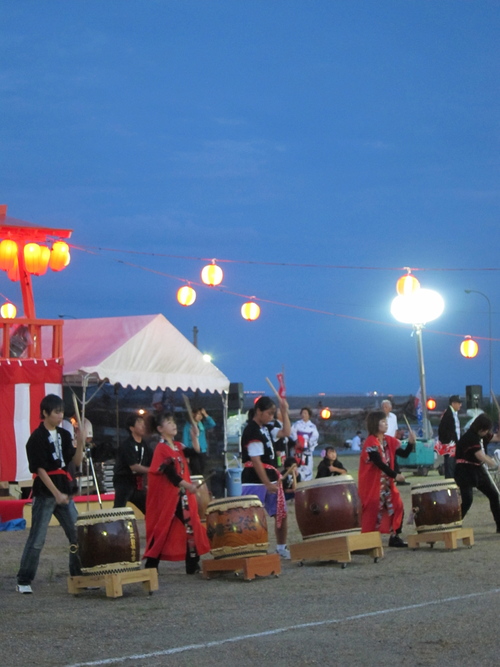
(97, 249)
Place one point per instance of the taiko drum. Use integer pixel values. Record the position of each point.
(202, 495)
(328, 507)
(237, 527)
(436, 506)
(108, 541)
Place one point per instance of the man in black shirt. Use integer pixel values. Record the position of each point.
(132, 463)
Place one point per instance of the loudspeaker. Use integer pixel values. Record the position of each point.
(235, 396)
(473, 396)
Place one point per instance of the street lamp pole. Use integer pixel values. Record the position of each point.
(423, 391)
(475, 291)
(418, 308)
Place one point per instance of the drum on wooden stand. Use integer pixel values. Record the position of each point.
(237, 527)
(202, 495)
(328, 507)
(436, 506)
(108, 541)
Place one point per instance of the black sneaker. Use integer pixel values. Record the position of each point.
(396, 541)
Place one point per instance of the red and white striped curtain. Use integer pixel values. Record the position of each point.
(23, 384)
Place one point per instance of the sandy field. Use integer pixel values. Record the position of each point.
(423, 607)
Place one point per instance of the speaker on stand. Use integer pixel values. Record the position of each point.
(474, 397)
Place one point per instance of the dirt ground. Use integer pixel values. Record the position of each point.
(423, 607)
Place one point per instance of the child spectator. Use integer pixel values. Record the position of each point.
(330, 465)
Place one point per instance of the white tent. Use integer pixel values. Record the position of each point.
(140, 351)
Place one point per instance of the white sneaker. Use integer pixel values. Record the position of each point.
(24, 589)
(284, 553)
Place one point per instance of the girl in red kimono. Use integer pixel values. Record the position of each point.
(382, 507)
(173, 527)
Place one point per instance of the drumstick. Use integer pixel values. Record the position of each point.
(407, 422)
(275, 391)
(77, 411)
(288, 471)
(188, 409)
(205, 479)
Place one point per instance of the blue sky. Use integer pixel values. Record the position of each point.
(289, 137)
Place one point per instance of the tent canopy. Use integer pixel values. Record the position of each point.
(143, 351)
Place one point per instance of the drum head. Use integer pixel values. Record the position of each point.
(429, 487)
(223, 504)
(324, 481)
(104, 516)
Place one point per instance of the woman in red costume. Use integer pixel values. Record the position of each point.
(173, 527)
(382, 507)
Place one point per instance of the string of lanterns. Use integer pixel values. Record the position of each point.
(212, 275)
(37, 258)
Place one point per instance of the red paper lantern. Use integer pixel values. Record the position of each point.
(250, 310)
(8, 254)
(431, 404)
(212, 275)
(8, 311)
(407, 284)
(59, 256)
(186, 295)
(325, 413)
(469, 348)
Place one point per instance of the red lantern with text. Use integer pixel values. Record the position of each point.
(406, 285)
(431, 404)
(59, 256)
(212, 275)
(325, 413)
(8, 254)
(469, 348)
(8, 311)
(250, 310)
(186, 295)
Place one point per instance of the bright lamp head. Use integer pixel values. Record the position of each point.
(420, 307)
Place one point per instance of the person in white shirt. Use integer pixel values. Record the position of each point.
(392, 420)
(392, 427)
(305, 435)
(356, 442)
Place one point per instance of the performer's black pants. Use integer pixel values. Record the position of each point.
(125, 493)
(468, 477)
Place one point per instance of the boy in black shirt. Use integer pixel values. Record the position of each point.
(49, 451)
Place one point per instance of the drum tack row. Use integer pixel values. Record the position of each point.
(328, 513)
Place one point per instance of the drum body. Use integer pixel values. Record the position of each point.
(237, 527)
(328, 507)
(202, 496)
(436, 506)
(108, 541)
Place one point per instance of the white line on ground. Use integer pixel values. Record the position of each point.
(277, 631)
